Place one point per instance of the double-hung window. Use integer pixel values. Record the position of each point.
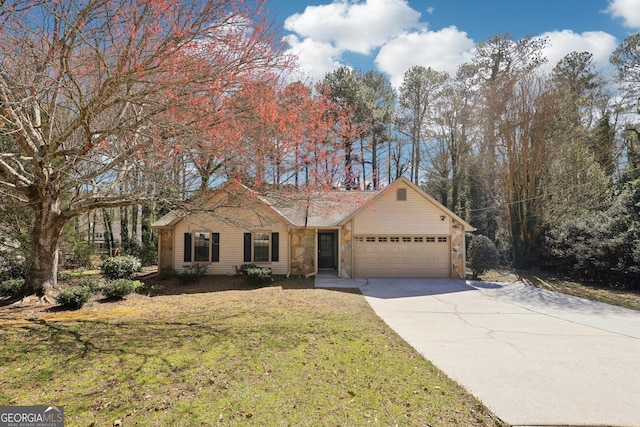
(261, 247)
(202, 246)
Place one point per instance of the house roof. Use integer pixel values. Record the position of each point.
(315, 209)
(167, 221)
(320, 208)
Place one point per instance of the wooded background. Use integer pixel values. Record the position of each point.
(128, 108)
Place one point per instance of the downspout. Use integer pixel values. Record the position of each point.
(289, 251)
(353, 249)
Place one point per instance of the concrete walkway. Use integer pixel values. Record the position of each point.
(535, 358)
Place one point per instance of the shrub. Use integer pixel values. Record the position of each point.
(259, 275)
(11, 287)
(92, 284)
(483, 255)
(120, 267)
(243, 268)
(600, 246)
(121, 287)
(74, 297)
(12, 267)
(192, 273)
(62, 276)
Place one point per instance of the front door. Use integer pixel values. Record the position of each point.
(327, 252)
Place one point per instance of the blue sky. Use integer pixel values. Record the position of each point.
(392, 35)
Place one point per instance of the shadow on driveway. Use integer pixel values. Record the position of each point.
(396, 288)
(534, 357)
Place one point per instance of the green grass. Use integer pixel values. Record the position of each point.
(270, 356)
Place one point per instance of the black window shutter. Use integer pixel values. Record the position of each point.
(187, 247)
(215, 248)
(247, 247)
(275, 247)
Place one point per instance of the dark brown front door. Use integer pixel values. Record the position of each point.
(327, 252)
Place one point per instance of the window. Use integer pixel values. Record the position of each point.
(442, 240)
(430, 239)
(202, 246)
(371, 239)
(418, 239)
(359, 239)
(406, 239)
(261, 247)
(401, 194)
(394, 239)
(382, 239)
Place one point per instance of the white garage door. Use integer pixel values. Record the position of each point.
(402, 256)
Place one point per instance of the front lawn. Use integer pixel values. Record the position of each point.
(281, 355)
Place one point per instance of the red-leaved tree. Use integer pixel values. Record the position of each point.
(94, 93)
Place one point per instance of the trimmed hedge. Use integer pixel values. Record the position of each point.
(121, 288)
(74, 297)
(259, 276)
(92, 284)
(120, 267)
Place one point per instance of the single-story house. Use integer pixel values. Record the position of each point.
(398, 231)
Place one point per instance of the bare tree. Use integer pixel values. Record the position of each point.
(90, 91)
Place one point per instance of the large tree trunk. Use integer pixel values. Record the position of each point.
(45, 242)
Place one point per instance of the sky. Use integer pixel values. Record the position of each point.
(390, 36)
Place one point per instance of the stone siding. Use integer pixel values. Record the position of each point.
(346, 251)
(458, 250)
(302, 251)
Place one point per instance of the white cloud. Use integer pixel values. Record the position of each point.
(357, 27)
(598, 43)
(442, 50)
(315, 58)
(392, 30)
(627, 10)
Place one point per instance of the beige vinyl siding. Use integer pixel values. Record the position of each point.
(402, 238)
(232, 240)
(387, 216)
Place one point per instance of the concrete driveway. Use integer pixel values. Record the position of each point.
(533, 357)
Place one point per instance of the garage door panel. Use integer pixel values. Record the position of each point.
(408, 257)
